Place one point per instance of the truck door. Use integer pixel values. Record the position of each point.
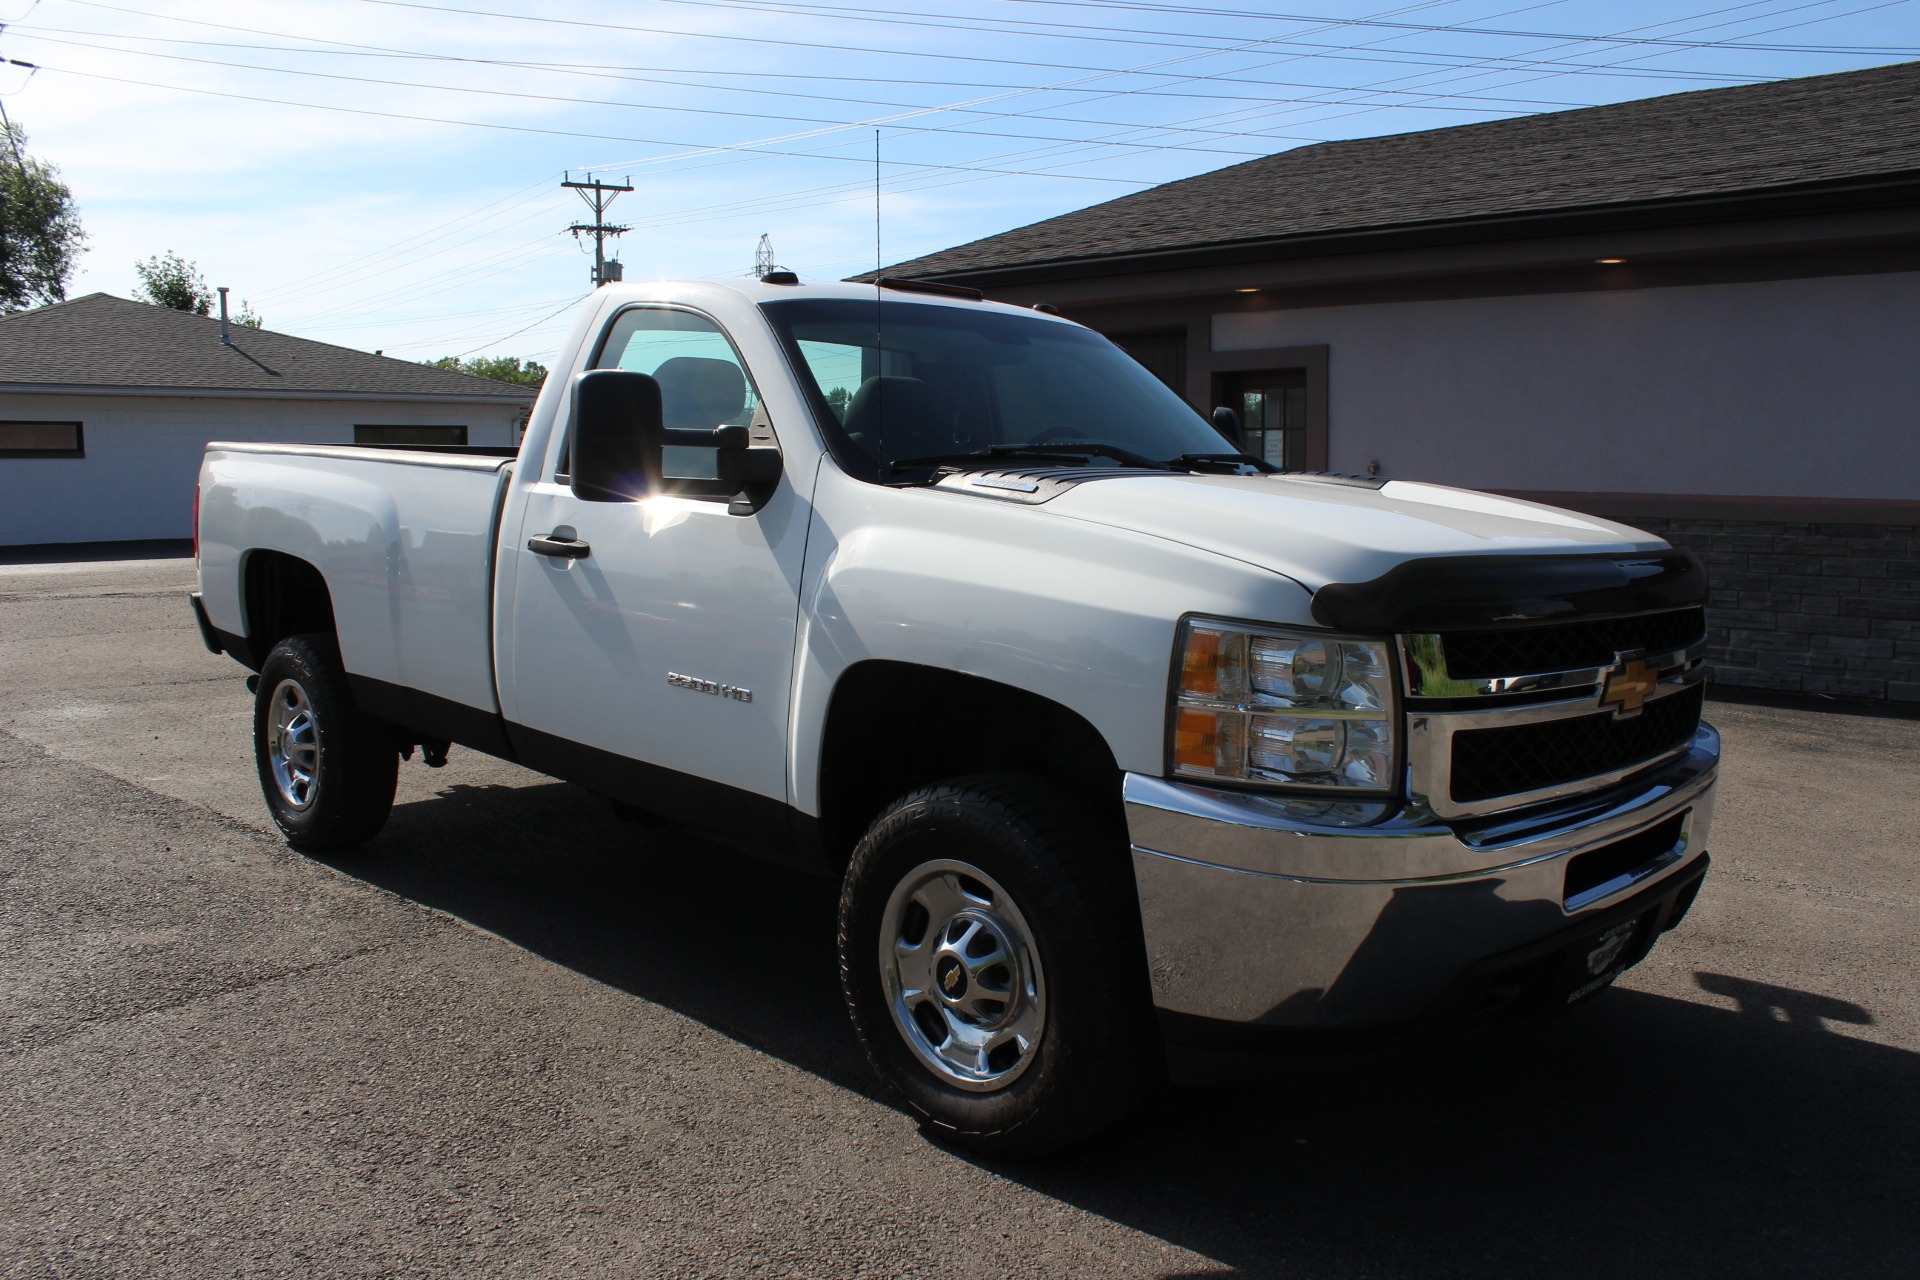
(657, 666)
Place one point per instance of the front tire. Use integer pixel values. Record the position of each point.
(328, 770)
(991, 959)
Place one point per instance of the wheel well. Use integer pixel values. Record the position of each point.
(894, 726)
(284, 596)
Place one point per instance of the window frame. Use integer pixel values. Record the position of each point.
(560, 472)
(1236, 387)
(1221, 368)
(79, 449)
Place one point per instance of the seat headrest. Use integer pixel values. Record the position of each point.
(908, 418)
(700, 393)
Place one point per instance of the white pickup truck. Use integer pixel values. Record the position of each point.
(1113, 736)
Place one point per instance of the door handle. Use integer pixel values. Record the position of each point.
(564, 548)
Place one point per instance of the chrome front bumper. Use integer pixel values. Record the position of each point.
(1265, 911)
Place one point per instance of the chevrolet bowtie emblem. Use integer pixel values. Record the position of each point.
(1628, 685)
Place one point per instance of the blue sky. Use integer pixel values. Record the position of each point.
(385, 174)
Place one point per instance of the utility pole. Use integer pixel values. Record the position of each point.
(602, 196)
(13, 141)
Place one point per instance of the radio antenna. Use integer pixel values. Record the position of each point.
(879, 350)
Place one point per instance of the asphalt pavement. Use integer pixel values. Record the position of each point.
(516, 1037)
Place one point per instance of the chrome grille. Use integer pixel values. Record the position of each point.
(1564, 646)
(1531, 757)
(1527, 727)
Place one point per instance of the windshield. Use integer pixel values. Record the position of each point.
(943, 383)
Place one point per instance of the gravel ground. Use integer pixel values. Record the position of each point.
(517, 1038)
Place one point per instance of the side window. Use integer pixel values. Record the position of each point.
(703, 384)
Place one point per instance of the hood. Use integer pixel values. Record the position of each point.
(1319, 531)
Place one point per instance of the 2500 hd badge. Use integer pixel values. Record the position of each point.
(714, 687)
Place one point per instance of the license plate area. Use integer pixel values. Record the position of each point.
(1600, 873)
(1607, 955)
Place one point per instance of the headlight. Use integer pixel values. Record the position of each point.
(1284, 708)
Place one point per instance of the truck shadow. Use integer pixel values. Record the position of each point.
(1735, 1133)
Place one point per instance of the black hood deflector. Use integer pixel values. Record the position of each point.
(1451, 593)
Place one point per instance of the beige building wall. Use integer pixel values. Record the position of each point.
(1779, 388)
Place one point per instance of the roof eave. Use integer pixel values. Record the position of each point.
(509, 399)
(1844, 195)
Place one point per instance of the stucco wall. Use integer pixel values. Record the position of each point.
(143, 455)
(1805, 388)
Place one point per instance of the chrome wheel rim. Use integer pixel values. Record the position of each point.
(962, 976)
(293, 746)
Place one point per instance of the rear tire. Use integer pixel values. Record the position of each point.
(327, 769)
(991, 958)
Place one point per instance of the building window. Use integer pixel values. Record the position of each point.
(378, 434)
(1272, 405)
(41, 440)
(1164, 355)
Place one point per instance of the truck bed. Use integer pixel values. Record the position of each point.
(404, 538)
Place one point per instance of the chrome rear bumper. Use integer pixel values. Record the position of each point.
(1287, 914)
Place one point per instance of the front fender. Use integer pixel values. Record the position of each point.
(1078, 613)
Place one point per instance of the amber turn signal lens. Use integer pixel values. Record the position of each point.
(1200, 665)
(1196, 740)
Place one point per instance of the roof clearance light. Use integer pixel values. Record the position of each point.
(1248, 289)
(1609, 262)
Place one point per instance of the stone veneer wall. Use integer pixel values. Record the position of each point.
(1809, 608)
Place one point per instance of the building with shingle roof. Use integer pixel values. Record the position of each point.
(106, 406)
(1698, 313)
(1786, 147)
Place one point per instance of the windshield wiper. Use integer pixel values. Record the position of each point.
(1071, 456)
(1231, 461)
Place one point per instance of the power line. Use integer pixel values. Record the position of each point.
(675, 78)
(1547, 66)
(463, 314)
(514, 257)
(517, 332)
(372, 50)
(906, 17)
(697, 148)
(831, 125)
(1298, 110)
(1112, 140)
(417, 240)
(831, 47)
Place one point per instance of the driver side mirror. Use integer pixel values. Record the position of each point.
(616, 437)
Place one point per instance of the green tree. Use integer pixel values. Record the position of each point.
(169, 280)
(40, 235)
(499, 368)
